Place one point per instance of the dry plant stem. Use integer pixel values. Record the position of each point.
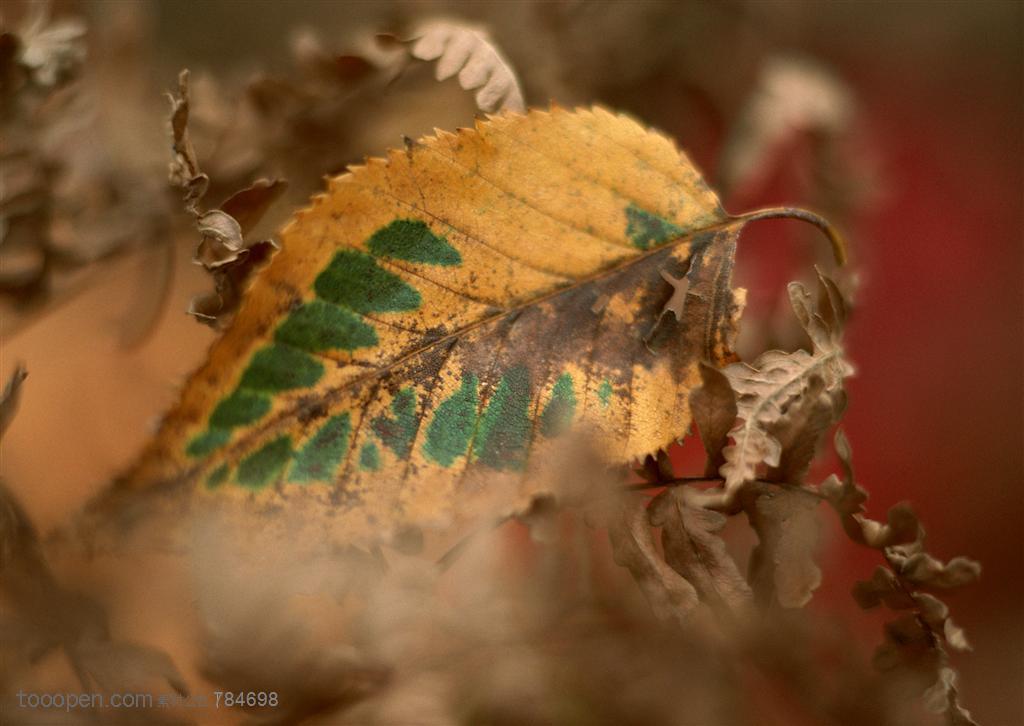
(685, 480)
(834, 237)
(933, 638)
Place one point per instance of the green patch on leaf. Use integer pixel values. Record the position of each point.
(355, 280)
(279, 367)
(412, 240)
(503, 435)
(369, 457)
(559, 411)
(319, 458)
(264, 465)
(397, 431)
(207, 442)
(319, 325)
(648, 230)
(239, 409)
(452, 426)
(218, 476)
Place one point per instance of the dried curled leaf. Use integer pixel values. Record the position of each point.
(248, 206)
(227, 254)
(670, 594)
(470, 52)
(910, 647)
(847, 498)
(909, 644)
(225, 248)
(782, 566)
(714, 413)
(935, 613)
(184, 169)
(695, 551)
(801, 430)
(901, 527)
(920, 568)
(883, 587)
(784, 397)
(944, 697)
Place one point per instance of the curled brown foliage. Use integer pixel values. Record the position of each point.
(223, 249)
(467, 639)
(785, 403)
(66, 206)
(917, 642)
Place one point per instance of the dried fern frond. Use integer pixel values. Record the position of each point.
(782, 392)
(469, 51)
(915, 643)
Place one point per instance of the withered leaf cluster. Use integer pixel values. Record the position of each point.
(481, 641)
(917, 642)
(65, 205)
(761, 426)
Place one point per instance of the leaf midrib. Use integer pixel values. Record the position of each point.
(331, 395)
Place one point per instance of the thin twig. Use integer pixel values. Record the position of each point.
(684, 480)
(833, 234)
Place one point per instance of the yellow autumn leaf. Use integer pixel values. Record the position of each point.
(438, 320)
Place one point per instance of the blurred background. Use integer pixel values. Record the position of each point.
(900, 121)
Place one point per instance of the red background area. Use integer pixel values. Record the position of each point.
(935, 413)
